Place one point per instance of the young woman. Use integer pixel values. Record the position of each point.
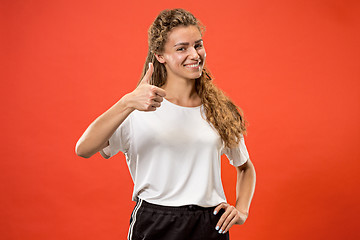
(173, 129)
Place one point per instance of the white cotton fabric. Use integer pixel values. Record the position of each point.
(173, 155)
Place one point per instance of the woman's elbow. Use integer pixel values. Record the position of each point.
(79, 150)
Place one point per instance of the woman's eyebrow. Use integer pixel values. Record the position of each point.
(186, 43)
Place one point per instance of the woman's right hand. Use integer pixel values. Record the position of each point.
(146, 97)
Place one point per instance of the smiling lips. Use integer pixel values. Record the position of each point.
(194, 65)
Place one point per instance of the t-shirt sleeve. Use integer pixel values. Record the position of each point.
(237, 155)
(119, 141)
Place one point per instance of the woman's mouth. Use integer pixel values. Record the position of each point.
(194, 65)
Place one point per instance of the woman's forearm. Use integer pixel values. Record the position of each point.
(145, 97)
(98, 133)
(245, 186)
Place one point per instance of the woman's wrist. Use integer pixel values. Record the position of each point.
(246, 213)
(242, 211)
(126, 103)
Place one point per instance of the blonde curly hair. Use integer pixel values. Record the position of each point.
(220, 111)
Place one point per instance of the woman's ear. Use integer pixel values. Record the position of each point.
(160, 58)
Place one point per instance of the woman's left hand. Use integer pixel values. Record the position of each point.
(230, 217)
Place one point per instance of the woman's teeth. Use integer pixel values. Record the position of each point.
(193, 65)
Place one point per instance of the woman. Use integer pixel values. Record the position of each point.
(173, 129)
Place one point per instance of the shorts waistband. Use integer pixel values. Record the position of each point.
(186, 208)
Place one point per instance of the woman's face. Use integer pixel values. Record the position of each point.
(184, 54)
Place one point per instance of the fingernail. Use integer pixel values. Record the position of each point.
(220, 231)
(215, 212)
(217, 228)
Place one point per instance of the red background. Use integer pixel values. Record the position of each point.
(292, 66)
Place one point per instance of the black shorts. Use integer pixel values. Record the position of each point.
(191, 222)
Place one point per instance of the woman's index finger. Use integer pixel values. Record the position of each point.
(218, 208)
(159, 91)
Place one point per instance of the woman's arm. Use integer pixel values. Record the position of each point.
(96, 136)
(145, 97)
(245, 187)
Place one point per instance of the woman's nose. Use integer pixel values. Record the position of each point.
(194, 54)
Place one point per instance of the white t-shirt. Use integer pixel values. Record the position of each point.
(173, 155)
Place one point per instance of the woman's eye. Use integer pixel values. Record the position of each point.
(180, 49)
(198, 46)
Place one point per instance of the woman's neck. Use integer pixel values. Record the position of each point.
(182, 92)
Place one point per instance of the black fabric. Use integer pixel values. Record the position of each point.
(154, 222)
